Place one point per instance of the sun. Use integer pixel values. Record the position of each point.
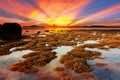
(59, 21)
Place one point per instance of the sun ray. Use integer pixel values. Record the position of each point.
(60, 13)
(106, 12)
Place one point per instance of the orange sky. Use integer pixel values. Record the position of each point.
(112, 10)
(59, 12)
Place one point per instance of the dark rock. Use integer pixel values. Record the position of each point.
(46, 30)
(0, 27)
(27, 31)
(10, 31)
(38, 32)
(14, 28)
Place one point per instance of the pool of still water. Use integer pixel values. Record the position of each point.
(112, 58)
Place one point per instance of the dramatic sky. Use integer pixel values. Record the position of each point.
(61, 12)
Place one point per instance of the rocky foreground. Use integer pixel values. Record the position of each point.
(43, 45)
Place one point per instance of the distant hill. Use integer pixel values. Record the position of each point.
(94, 26)
(101, 26)
(32, 27)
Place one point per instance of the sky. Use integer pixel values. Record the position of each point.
(61, 12)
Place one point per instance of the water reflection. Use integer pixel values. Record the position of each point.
(112, 58)
(12, 58)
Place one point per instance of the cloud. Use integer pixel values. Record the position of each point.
(52, 11)
(103, 13)
(8, 15)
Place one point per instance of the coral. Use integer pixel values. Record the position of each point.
(4, 49)
(67, 78)
(77, 64)
(88, 75)
(33, 59)
(75, 59)
(59, 69)
(101, 64)
(23, 67)
(81, 53)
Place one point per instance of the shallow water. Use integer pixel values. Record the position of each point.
(112, 59)
(91, 42)
(62, 50)
(50, 67)
(12, 58)
(112, 55)
(113, 64)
